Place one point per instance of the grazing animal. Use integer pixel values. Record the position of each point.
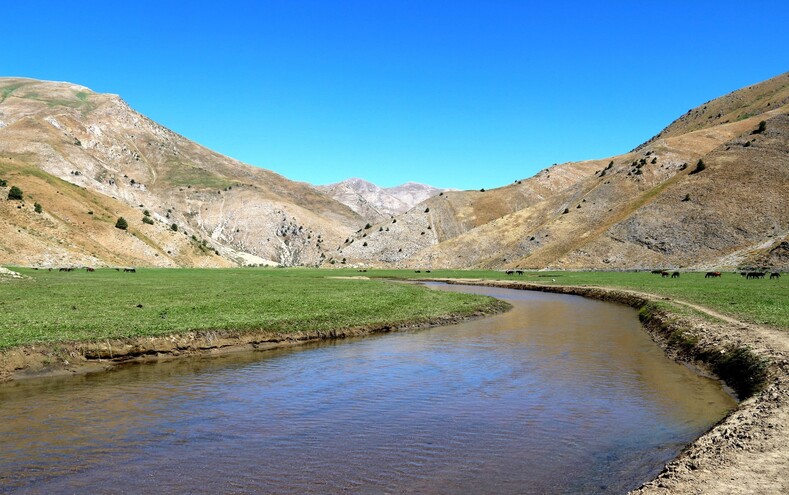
(664, 274)
(509, 272)
(675, 275)
(129, 270)
(657, 272)
(712, 275)
(90, 269)
(417, 271)
(519, 272)
(755, 275)
(775, 275)
(427, 271)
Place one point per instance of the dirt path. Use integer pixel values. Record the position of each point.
(748, 451)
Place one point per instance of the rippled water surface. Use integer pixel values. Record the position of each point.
(560, 395)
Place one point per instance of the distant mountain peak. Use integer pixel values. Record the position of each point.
(374, 202)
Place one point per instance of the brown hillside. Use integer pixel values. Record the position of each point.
(76, 227)
(733, 107)
(646, 210)
(97, 142)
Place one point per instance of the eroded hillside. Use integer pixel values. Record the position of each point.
(97, 142)
(653, 207)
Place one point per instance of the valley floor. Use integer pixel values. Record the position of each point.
(81, 321)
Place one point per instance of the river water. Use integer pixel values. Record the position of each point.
(560, 395)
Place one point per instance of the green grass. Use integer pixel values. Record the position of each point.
(6, 91)
(80, 306)
(185, 174)
(756, 301)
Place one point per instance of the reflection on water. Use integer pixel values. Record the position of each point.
(560, 395)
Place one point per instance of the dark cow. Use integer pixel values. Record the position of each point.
(664, 274)
(417, 271)
(713, 275)
(657, 272)
(90, 269)
(129, 270)
(519, 272)
(675, 275)
(755, 275)
(510, 272)
(775, 275)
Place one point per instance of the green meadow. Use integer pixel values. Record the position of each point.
(81, 306)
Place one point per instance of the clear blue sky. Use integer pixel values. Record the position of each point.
(450, 93)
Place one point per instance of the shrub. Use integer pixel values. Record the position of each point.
(686, 198)
(37, 208)
(15, 193)
(427, 210)
(3, 183)
(368, 226)
(147, 220)
(121, 224)
(699, 167)
(364, 244)
(566, 211)
(762, 127)
(146, 213)
(482, 190)
(174, 227)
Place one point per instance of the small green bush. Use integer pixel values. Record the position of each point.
(37, 208)
(15, 193)
(174, 227)
(3, 183)
(699, 167)
(147, 220)
(146, 213)
(121, 224)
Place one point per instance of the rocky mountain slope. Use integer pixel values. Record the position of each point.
(652, 207)
(57, 133)
(711, 191)
(374, 203)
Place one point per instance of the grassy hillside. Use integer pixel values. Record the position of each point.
(76, 226)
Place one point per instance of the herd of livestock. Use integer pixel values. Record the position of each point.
(663, 273)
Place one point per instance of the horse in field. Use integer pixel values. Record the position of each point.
(775, 275)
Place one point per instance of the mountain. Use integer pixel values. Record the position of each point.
(652, 207)
(710, 191)
(374, 203)
(77, 151)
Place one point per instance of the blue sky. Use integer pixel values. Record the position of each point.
(455, 94)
